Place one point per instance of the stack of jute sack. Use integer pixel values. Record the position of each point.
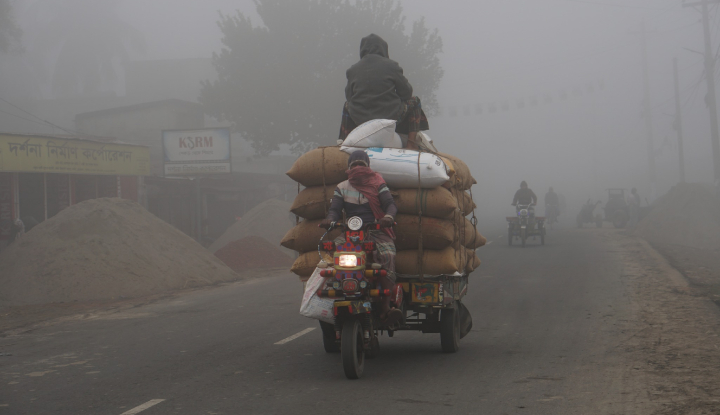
(431, 191)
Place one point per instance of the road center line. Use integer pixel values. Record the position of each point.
(293, 337)
(146, 405)
(488, 242)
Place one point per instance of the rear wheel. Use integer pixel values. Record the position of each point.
(579, 221)
(328, 335)
(450, 329)
(352, 349)
(542, 238)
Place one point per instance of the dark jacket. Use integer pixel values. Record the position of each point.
(551, 198)
(524, 197)
(376, 85)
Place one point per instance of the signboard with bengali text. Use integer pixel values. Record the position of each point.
(196, 152)
(42, 154)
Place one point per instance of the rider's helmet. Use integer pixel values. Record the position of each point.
(523, 184)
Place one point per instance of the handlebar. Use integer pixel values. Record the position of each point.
(368, 226)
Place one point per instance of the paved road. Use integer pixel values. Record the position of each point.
(546, 327)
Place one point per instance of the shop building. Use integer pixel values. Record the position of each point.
(40, 175)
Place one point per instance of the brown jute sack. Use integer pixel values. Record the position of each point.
(462, 179)
(436, 203)
(308, 169)
(434, 262)
(463, 200)
(308, 204)
(305, 264)
(466, 233)
(305, 236)
(437, 233)
(472, 261)
(472, 237)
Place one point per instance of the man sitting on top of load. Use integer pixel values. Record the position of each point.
(377, 89)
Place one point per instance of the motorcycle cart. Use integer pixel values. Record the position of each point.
(430, 303)
(617, 210)
(586, 215)
(524, 226)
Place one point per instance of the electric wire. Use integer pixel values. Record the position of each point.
(35, 116)
(628, 6)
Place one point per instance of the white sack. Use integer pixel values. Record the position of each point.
(399, 167)
(374, 133)
(313, 306)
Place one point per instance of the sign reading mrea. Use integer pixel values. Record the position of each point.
(46, 154)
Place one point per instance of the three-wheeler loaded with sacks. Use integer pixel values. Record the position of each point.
(436, 238)
(430, 304)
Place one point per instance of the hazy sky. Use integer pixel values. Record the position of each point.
(516, 53)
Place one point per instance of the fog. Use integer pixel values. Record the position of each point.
(549, 91)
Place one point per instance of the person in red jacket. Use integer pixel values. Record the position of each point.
(366, 195)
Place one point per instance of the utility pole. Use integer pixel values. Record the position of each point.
(710, 77)
(648, 115)
(678, 121)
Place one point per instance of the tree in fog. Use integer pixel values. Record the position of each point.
(10, 32)
(90, 42)
(283, 81)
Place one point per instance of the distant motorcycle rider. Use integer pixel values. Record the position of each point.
(526, 197)
(552, 203)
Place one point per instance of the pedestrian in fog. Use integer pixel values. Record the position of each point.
(634, 206)
(17, 230)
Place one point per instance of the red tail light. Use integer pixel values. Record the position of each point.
(349, 286)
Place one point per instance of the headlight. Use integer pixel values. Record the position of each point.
(348, 261)
(355, 223)
(523, 212)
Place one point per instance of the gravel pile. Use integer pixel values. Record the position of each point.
(104, 249)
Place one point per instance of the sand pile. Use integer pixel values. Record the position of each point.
(688, 215)
(270, 220)
(102, 249)
(252, 252)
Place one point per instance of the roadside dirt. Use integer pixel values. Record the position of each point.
(672, 343)
(20, 319)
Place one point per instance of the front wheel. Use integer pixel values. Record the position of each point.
(450, 329)
(523, 236)
(510, 236)
(352, 349)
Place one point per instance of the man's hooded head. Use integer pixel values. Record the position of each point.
(373, 45)
(358, 157)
